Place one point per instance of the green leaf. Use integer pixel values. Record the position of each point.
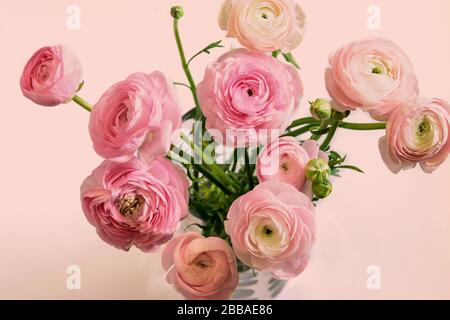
(290, 58)
(189, 115)
(350, 168)
(207, 50)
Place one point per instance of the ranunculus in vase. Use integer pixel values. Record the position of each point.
(255, 221)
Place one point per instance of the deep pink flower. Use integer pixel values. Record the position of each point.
(249, 91)
(51, 76)
(133, 203)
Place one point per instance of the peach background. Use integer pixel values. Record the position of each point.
(400, 223)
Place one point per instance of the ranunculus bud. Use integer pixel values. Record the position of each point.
(322, 189)
(317, 170)
(177, 12)
(320, 109)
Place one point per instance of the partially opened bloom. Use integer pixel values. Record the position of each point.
(141, 113)
(201, 268)
(372, 74)
(51, 76)
(264, 25)
(284, 159)
(246, 91)
(272, 228)
(418, 132)
(133, 203)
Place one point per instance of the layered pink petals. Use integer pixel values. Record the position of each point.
(133, 203)
(249, 91)
(373, 74)
(418, 132)
(272, 228)
(264, 25)
(200, 268)
(140, 114)
(284, 159)
(51, 77)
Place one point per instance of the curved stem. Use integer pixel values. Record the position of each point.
(301, 130)
(330, 135)
(186, 70)
(301, 121)
(83, 103)
(363, 126)
(323, 126)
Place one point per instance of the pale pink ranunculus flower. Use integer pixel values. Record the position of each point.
(272, 229)
(141, 113)
(52, 76)
(133, 203)
(284, 159)
(200, 268)
(264, 25)
(248, 91)
(372, 74)
(418, 132)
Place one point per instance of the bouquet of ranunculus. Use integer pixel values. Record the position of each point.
(249, 174)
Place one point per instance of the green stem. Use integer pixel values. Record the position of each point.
(251, 183)
(202, 170)
(211, 177)
(322, 127)
(217, 171)
(186, 70)
(330, 135)
(302, 121)
(301, 130)
(363, 126)
(83, 103)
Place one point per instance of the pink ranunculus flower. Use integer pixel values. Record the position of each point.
(52, 76)
(284, 159)
(373, 74)
(264, 25)
(201, 268)
(133, 203)
(272, 229)
(418, 132)
(249, 91)
(141, 113)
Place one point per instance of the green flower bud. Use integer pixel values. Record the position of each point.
(322, 189)
(320, 109)
(317, 170)
(177, 12)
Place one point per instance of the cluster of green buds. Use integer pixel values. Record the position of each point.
(318, 172)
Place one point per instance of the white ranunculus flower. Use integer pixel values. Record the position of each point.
(264, 25)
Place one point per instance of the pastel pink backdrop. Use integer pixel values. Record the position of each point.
(399, 223)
